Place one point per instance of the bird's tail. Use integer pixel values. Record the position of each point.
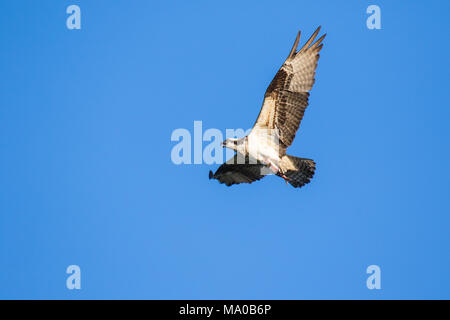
(298, 171)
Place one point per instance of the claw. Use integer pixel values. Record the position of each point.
(286, 179)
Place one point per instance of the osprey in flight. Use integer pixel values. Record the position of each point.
(263, 150)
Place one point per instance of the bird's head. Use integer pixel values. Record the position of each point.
(232, 143)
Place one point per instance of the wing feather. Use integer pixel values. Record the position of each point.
(286, 97)
(233, 172)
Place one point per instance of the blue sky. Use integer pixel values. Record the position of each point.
(86, 176)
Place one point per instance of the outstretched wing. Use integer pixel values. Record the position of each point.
(233, 172)
(286, 98)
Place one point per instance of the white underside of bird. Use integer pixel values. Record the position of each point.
(264, 145)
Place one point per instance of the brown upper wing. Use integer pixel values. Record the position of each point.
(286, 98)
(233, 172)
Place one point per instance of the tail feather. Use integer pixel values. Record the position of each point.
(299, 171)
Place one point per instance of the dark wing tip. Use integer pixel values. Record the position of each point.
(294, 47)
(211, 175)
(311, 40)
(318, 43)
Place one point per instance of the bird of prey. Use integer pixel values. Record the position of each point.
(263, 150)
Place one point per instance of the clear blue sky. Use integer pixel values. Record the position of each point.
(86, 176)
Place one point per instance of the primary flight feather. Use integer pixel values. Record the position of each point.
(263, 150)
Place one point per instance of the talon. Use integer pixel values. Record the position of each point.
(286, 179)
